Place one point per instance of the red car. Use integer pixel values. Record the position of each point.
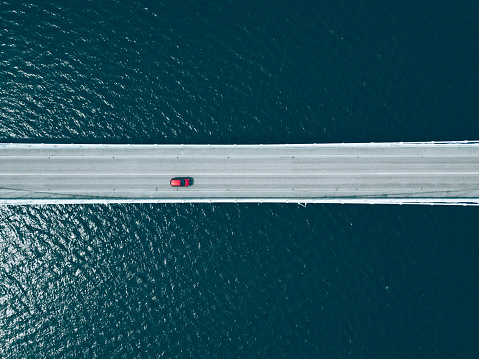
(181, 182)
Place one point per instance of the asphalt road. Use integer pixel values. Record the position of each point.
(371, 173)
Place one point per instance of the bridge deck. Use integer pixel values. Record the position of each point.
(355, 173)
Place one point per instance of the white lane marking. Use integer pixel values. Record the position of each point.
(254, 156)
(250, 174)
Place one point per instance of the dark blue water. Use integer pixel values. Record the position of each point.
(226, 281)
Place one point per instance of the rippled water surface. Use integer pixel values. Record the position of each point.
(246, 280)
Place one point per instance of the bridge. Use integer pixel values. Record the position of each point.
(397, 173)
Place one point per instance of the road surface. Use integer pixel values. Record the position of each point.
(331, 173)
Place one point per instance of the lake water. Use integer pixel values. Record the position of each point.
(238, 280)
